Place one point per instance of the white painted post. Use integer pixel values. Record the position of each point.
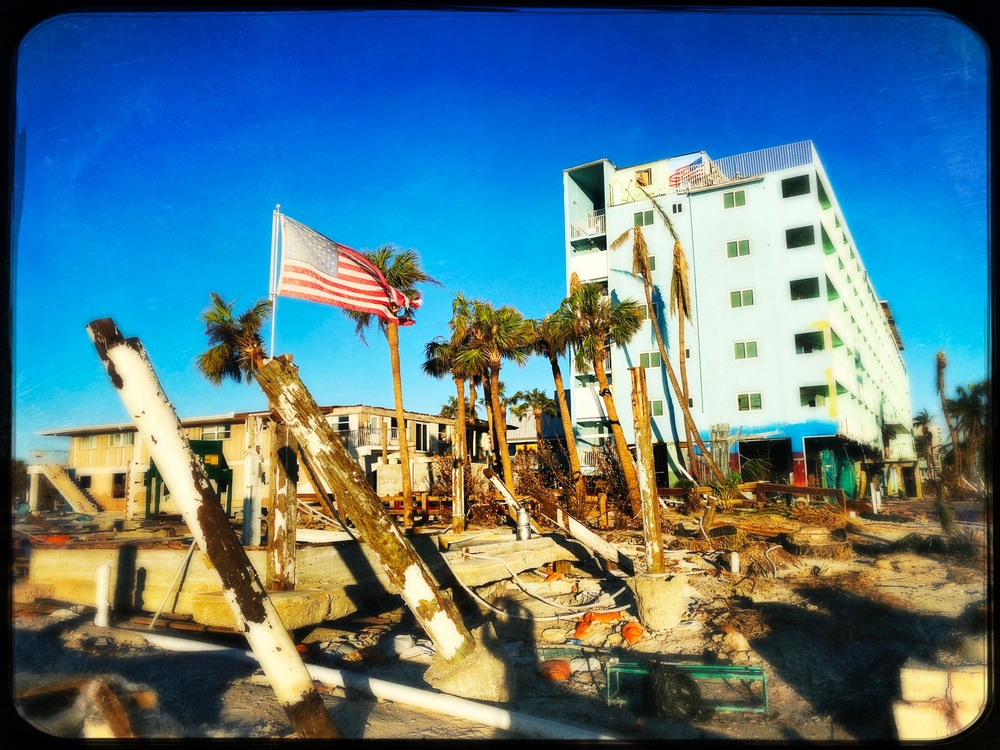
(158, 425)
(103, 597)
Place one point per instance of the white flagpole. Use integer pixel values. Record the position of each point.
(275, 224)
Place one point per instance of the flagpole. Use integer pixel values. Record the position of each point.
(275, 223)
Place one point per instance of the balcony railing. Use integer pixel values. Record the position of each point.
(369, 437)
(592, 225)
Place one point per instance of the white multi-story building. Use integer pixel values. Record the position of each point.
(788, 343)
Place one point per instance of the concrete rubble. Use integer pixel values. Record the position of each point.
(545, 600)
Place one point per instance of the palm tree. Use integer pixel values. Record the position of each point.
(236, 352)
(942, 363)
(969, 408)
(491, 336)
(552, 342)
(538, 404)
(922, 422)
(596, 324)
(680, 304)
(236, 349)
(401, 269)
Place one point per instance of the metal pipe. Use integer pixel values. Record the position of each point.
(461, 708)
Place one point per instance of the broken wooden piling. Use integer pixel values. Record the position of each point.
(160, 429)
(334, 467)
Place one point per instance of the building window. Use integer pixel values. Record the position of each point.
(815, 395)
(804, 288)
(644, 311)
(643, 177)
(676, 208)
(215, 432)
(741, 298)
(118, 485)
(807, 343)
(83, 481)
(643, 218)
(737, 248)
(343, 423)
(649, 359)
(116, 439)
(656, 408)
(748, 401)
(745, 349)
(800, 236)
(795, 186)
(652, 262)
(88, 441)
(734, 199)
(423, 443)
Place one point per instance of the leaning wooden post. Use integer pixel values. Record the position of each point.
(458, 485)
(647, 473)
(160, 429)
(435, 612)
(284, 511)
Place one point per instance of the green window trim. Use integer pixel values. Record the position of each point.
(734, 199)
(642, 218)
(737, 248)
(741, 298)
(649, 359)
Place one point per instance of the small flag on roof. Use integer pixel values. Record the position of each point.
(686, 173)
(316, 268)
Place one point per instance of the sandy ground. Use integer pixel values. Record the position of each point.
(830, 635)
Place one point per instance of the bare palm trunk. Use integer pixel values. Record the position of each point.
(500, 426)
(392, 334)
(682, 358)
(458, 463)
(472, 419)
(624, 454)
(538, 430)
(490, 422)
(942, 362)
(567, 422)
(680, 393)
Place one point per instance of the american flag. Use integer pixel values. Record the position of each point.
(318, 269)
(686, 173)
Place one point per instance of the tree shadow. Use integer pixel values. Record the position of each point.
(843, 653)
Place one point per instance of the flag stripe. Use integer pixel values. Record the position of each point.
(317, 269)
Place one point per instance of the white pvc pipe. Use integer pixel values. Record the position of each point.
(461, 708)
(103, 602)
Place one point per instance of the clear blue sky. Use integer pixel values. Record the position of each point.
(157, 146)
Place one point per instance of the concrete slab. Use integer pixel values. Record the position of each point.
(347, 573)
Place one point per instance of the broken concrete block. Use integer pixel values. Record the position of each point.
(921, 721)
(735, 642)
(920, 682)
(295, 608)
(968, 686)
(974, 649)
(482, 675)
(29, 592)
(661, 601)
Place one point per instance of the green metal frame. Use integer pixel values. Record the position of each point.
(614, 673)
(218, 472)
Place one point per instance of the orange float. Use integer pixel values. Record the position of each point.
(555, 669)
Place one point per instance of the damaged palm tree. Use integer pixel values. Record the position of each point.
(345, 480)
(161, 430)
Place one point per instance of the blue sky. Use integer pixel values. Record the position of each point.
(158, 144)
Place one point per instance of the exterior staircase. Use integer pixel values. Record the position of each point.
(70, 491)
